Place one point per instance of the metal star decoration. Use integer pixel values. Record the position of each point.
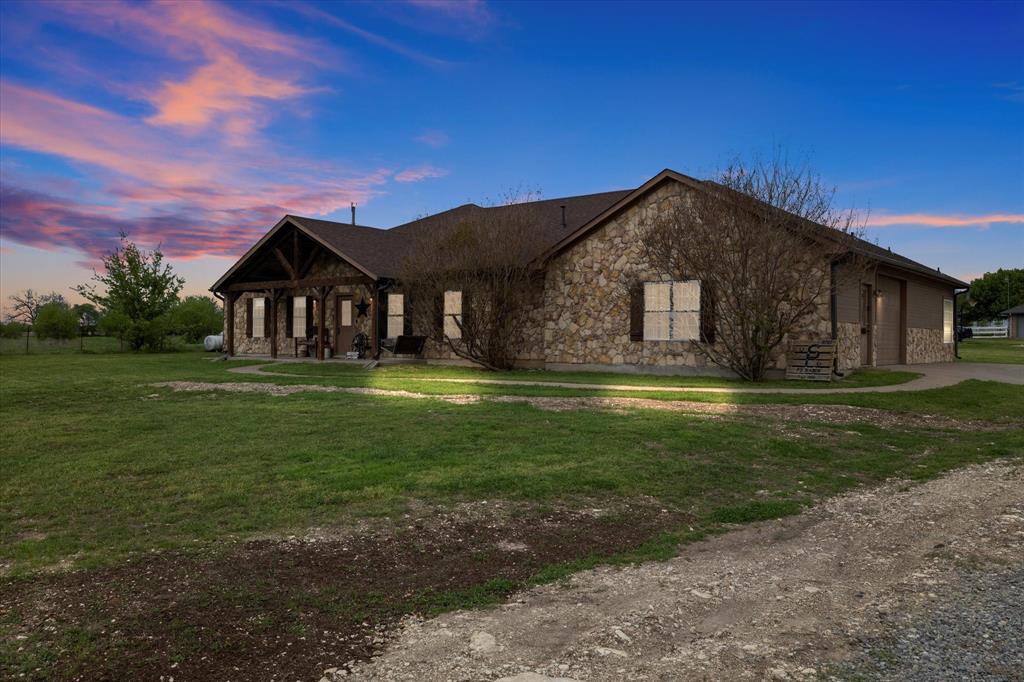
(362, 307)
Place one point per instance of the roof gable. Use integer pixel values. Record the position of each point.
(316, 232)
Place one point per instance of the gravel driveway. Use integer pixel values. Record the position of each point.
(886, 583)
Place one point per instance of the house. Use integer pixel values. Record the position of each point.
(307, 274)
(1014, 322)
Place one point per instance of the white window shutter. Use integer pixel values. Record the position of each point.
(299, 317)
(346, 312)
(396, 315)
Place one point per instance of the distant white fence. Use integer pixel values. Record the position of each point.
(998, 331)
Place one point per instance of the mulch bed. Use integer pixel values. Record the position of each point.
(277, 609)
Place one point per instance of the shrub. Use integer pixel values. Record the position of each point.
(195, 317)
(12, 329)
(56, 321)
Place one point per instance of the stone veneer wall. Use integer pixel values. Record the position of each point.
(925, 345)
(848, 348)
(586, 296)
(325, 266)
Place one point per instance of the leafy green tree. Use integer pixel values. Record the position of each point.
(115, 324)
(56, 321)
(194, 317)
(88, 318)
(139, 286)
(26, 304)
(993, 293)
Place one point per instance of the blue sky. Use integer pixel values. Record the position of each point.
(197, 125)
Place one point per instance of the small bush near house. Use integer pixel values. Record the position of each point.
(56, 321)
(195, 317)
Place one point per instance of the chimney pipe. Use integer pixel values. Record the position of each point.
(353, 213)
(563, 216)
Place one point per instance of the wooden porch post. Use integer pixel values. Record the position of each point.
(273, 323)
(229, 318)
(321, 321)
(374, 344)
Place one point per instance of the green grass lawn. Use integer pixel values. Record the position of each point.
(1005, 351)
(860, 378)
(99, 464)
(154, 493)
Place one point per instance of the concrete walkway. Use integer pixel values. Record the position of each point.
(937, 375)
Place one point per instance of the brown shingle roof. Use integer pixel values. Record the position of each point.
(379, 252)
(371, 249)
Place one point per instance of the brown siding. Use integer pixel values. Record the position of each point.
(924, 303)
(847, 296)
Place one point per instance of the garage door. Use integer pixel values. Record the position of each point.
(887, 308)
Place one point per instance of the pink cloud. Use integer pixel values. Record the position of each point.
(183, 195)
(433, 138)
(224, 88)
(935, 220)
(182, 28)
(418, 173)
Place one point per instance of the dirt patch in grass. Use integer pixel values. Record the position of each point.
(827, 414)
(288, 608)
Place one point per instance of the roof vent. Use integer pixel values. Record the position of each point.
(563, 217)
(353, 213)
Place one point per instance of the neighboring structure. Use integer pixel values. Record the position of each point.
(1014, 322)
(307, 274)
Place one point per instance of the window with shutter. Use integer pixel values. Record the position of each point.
(947, 320)
(396, 315)
(299, 316)
(248, 318)
(453, 314)
(259, 311)
(346, 312)
(672, 311)
(289, 318)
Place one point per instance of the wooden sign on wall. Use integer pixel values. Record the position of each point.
(811, 360)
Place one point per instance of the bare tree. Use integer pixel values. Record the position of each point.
(483, 253)
(761, 240)
(25, 305)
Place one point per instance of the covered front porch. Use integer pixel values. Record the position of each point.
(296, 295)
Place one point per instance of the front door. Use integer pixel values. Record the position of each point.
(865, 325)
(888, 313)
(345, 325)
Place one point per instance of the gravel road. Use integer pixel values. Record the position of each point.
(918, 582)
(974, 631)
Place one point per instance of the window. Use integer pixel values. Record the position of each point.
(299, 304)
(453, 314)
(672, 311)
(259, 315)
(396, 315)
(947, 320)
(346, 312)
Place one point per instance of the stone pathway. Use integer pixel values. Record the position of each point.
(934, 376)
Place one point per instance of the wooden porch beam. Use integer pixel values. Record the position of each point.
(274, 295)
(307, 283)
(321, 323)
(308, 263)
(284, 262)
